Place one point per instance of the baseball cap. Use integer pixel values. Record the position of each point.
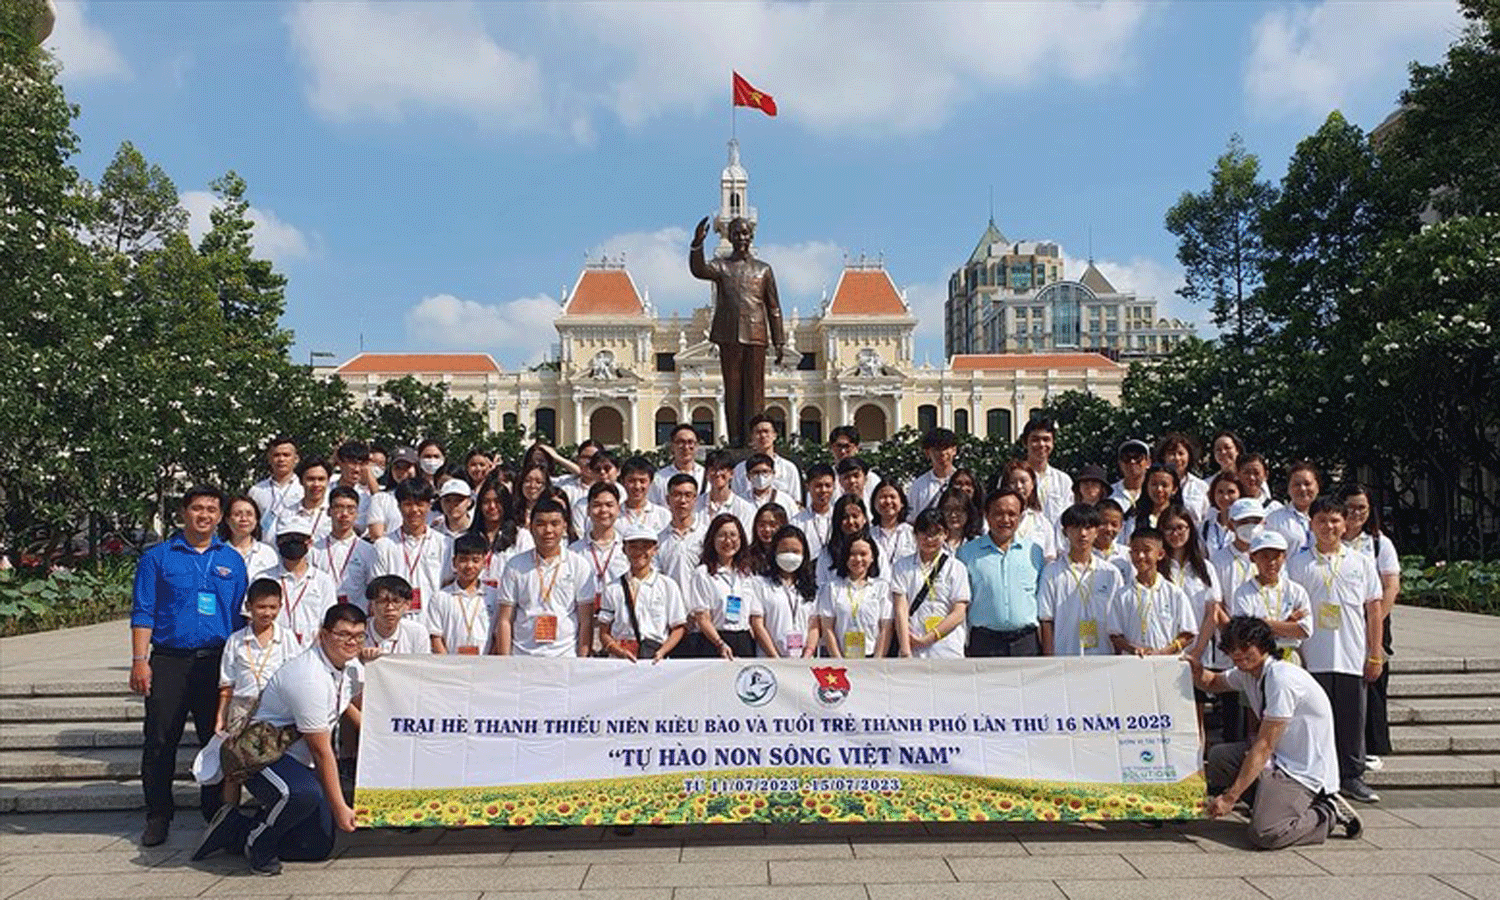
(404, 455)
(1132, 447)
(1268, 539)
(455, 487)
(637, 532)
(294, 524)
(1246, 508)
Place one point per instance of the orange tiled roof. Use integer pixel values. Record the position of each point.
(604, 292)
(419, 364)
(969, 362)
(866, 292)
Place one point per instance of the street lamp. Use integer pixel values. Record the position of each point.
(313, 355)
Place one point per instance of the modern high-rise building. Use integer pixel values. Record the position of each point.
(1014, 297)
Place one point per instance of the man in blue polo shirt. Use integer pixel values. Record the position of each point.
(1003, 573)
(188, 592)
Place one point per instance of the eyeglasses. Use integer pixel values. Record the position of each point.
(348, 637)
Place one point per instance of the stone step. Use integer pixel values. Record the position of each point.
(78, 709)
(1444, 710)
(1403, 665)
(1449, 770)
(83, 687)
(50, 735)
(1444, 685)
(1458, 738)
(91, 796)
(82, 764)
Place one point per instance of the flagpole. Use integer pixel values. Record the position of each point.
(732, 111)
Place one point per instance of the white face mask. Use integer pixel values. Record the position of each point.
(788, 562)
(377, 472)
(432, 464)
(761, 480)
(1247, 531)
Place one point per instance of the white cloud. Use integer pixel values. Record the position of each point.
(512, 328)
(926, 301)
(1312, 59)
(379, 60)
(835, 67)
(85, 50)
(274, 239)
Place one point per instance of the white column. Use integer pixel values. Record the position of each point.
(632, 423)
(721, 423)
(579, 426)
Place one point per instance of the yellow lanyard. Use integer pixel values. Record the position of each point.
(854, 601)
(929, 570)
(1145, 605)
(1271, 600)
(1083, 593)
(471, 618)
(1333, 571)
(544, 588)
(259, 665)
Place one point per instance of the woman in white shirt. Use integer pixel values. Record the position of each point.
(723, 598)
(854, 609)
(769, 519)
(1253, 474)
(1303, 485)
(893, 536)
(930, 595)
(850, 519)
(1217, 532)
(1362, 533)
(1161, 488)
(1227, 448)
(788, 596)
(1178, 452)
(1034, 526)
(240, 529)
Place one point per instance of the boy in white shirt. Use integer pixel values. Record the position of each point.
(306, 592)
(816, 520)
(604, 470)
(718, 497)
(760, 475)
(762, 439)
(600, 545)
(347, 559)
(941, 448)
(1344, 650)
(684, 462)
(1107, 545)
(353, 462)
(1150, 616)
(251, 656)
(422, 557)
(642, 614)
(455, 498)
(546, 605)
(853, 473)
(1076, 591)
(1282, 603)
(1233, 566)
(461, 615)
(281, 491)
(843, 442)
(1054, 487)
(390, 629)
(313, 474)
(679, 546)
(637, 508)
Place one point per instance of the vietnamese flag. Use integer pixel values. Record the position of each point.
(745, 95)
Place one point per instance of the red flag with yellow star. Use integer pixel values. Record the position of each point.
(746, 95)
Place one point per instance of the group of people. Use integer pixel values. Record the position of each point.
(379, 551)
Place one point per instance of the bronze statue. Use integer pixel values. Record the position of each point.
(747, 317)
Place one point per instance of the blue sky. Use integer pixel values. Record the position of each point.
(430, 176)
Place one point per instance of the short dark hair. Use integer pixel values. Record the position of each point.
(413, 489)
(1107, 504)
(759, 418)
(718, 459)
(638, 464)
(939, 439)
(1247, 631)
(1080, 515)
(999, 493)
(819, 470)
(684, 426)
(470, 544)
(262, 587)
(1326, 504)
(342, 492)
(602, 459)
(388, 584)
(759, 459)
(851, 464)
(278, 440)
(604, 487)
(1147, 533)
(343, 612)
(1038, 423)
(313, 462)
(681, 478)
(844, 431)
(929, 520)
(353, 451)
(545, 504)
(203, 490)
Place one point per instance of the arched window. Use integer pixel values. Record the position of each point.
(703, 423)
(508, 421)
(997, 424)
(927, 417)
(666, 421)
(870, 421)
(810, 424)
(777, 416)
(607, 426)
(546, 424)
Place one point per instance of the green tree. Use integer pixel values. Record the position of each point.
(252, 294)
(137, 205)
(406, 411)
(1219, 242)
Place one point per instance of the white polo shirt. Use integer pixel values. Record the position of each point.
(1127, 500)
(463, 618)
(658, 491)
(776, 495)
(817, 526)
(856, 613)
(425, 562)
(1199, 593)
(1338, 588)
(351, 564)
(304, 600)
(1119, 557)
(651, 516)
(273, 499)
(1295, 526)
(950, 585)
(561, 588)
(1276, 602)
(260, 560)
(1195, 498)
(924, 492)
(707, 510)
(1232, 569)
(307, 691)
(606, 560)
(246, 667)
(786, 615)
(893, 545)
(1306, 749)
(730, 597)
(1151, 617)
(1078, 600)
(679, 553)
(1037, 529)
(409, 637)
(659, 608)
(1055, 492)
(786, 477)
(1383, 552)
(385, 511)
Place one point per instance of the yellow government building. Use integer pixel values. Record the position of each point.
(624, 375)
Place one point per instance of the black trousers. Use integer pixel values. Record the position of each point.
(989, 642)
(744, 369)
(1377, 717)
(181, 685)
(1347, 695)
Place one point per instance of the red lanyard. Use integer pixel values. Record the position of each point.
(411, 565)
(340, 570)
(291, 607)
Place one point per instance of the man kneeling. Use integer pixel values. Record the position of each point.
(1290, 774)
(301, 800)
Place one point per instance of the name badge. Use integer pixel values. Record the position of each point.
(732, 607)
(854, 644)
(931, 623)
(208, 603)
(1330, 617)
(468, 650)
(633, 646)
(416, 599)
(1088, 634)
(343, 598)
(545, 629)
(794, 642)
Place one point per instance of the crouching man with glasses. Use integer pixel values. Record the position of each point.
(301, 800)
(1289, 774)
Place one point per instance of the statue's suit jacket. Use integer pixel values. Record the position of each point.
(748, 310)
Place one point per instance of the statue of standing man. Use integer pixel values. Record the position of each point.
(747, 317)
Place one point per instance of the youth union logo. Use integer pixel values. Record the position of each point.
(756, 685)
(1148, 757)
(833, 685)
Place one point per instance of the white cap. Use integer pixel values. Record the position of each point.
(455, 487)
(1268, 539)
(637, 532)
(294, 524)
(1246, 508)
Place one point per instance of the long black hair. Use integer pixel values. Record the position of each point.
(837, 540)
(805, 579)
(505, 536)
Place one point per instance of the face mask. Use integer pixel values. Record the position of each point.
(431, 464)
(1247, 532)
(376, 472)
(292, 549)
(761, 480)
(788, 562)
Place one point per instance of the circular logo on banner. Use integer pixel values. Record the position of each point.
(755, 685)
(1147, 756)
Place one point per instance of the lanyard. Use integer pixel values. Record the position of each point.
(790, 590)
(411, 564)
(822, 533)
(291, 609)
(854, 601)
(633, 516)
(1145, 605)
(929, 569)
(886, 540)
(257, 666)
(340, 570)
(544, 587)
(1333, 570)
(1271, 599)
(601, 570)
(278, 498)
(208, 562)
(470, 618)
(1083, 593)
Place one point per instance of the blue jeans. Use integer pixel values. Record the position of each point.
(296, 821)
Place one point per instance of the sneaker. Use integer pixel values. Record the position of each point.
(1345, 817)
(271, 866)
(1374, 763)
(1355, 789)
(225, 830)
(155, 833)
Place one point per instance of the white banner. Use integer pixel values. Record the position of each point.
(496, 740)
